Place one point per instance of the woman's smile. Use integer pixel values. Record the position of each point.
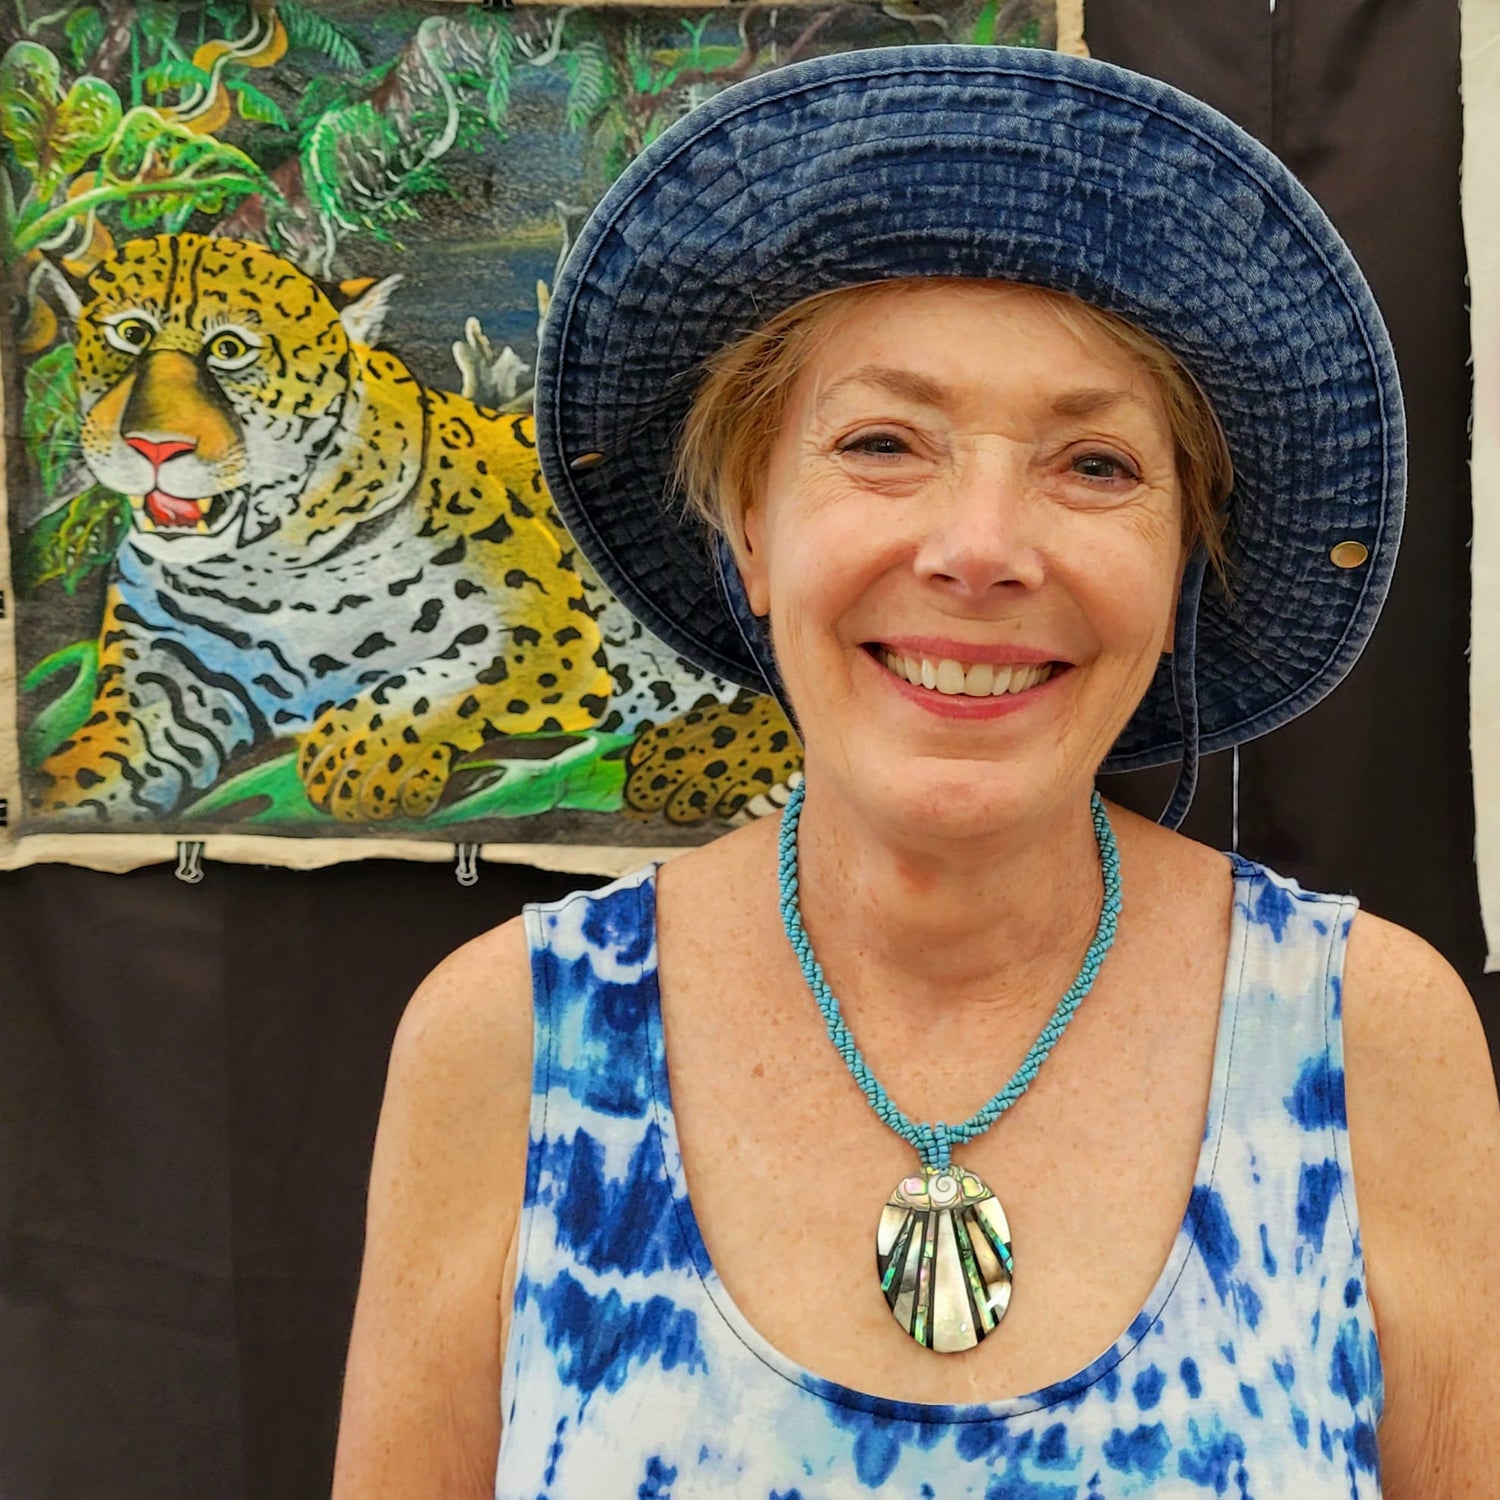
(977, 683)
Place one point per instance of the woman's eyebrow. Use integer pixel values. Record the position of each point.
(1087, 402)
(892, 378)
(1090, 402)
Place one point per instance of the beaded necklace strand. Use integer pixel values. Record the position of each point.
(944, 1247)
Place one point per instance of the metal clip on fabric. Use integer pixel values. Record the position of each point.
(466, 864)
(190, 861)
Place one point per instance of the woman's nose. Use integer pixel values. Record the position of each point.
(984, 535)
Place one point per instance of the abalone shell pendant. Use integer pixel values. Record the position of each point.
(943, 1251)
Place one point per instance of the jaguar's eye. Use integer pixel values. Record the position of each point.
(227, 350)
(129, 335)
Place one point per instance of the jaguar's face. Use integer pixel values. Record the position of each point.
(207, 369)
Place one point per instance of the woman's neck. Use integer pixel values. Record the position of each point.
(949, 923)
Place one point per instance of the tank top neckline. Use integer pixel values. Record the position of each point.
(1068, 1389)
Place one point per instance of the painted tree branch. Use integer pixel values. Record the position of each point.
(115, 46)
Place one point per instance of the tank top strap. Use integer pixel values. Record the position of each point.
(1283, 1096)
(593, 978)
(1281, 1226)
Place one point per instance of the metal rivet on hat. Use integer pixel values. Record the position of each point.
(586, 461)
(1348, 554)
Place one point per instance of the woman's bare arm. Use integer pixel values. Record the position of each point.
(1424, 1130)
(421, 1411)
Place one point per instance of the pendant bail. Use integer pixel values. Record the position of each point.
(935, 1146)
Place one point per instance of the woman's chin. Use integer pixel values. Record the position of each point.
(940, 799)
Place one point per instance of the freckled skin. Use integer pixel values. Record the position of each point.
(350, 560)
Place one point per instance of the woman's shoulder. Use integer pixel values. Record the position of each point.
(1413, 1041)
(460, 1064)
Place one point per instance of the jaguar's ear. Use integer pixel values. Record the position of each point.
(49, 282)
(50, 295)
(365, 316)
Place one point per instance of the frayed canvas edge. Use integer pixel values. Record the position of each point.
(10, 685)
(1480, 35)
(117, 853)
(1070, 38)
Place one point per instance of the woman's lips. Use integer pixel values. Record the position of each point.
(951, 688)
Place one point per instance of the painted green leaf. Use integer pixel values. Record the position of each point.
(268, 793)
(589, 777)
(85, 121)
(306, 28)
(227, 15)
(173, 73)
(157, 20)
(85, 30)
(984, 25)
(637, 61)
(30, 90)
(501, 53)
(257, 106)
(74, 540)
(61, 718)
(590, 82)
(49, 416)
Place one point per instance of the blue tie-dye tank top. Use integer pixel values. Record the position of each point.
(1251, 1371)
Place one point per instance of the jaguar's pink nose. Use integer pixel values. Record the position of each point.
(158, 453)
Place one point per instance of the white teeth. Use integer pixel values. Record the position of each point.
(952, 678)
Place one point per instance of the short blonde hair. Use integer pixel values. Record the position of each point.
(741, 402)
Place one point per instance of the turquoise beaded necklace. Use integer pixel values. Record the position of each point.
(943, 1248)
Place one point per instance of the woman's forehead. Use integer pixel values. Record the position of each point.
(942, 344)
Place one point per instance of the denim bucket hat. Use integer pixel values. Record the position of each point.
(1024, 166)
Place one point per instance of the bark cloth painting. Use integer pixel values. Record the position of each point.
(281, 565)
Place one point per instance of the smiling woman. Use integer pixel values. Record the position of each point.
(954, 1132)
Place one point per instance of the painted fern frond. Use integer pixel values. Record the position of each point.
(306, 28)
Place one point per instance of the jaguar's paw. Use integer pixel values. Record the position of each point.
(712, 761)
(362, 768)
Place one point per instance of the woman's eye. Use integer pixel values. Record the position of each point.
(877, 444)
(1102, 466)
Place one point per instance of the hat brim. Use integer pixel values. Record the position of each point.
(1020, 166)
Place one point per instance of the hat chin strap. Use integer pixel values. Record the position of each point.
(1185, 687)
(754, 631)
(757, 638)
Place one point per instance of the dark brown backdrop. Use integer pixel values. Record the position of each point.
(189, 1076)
